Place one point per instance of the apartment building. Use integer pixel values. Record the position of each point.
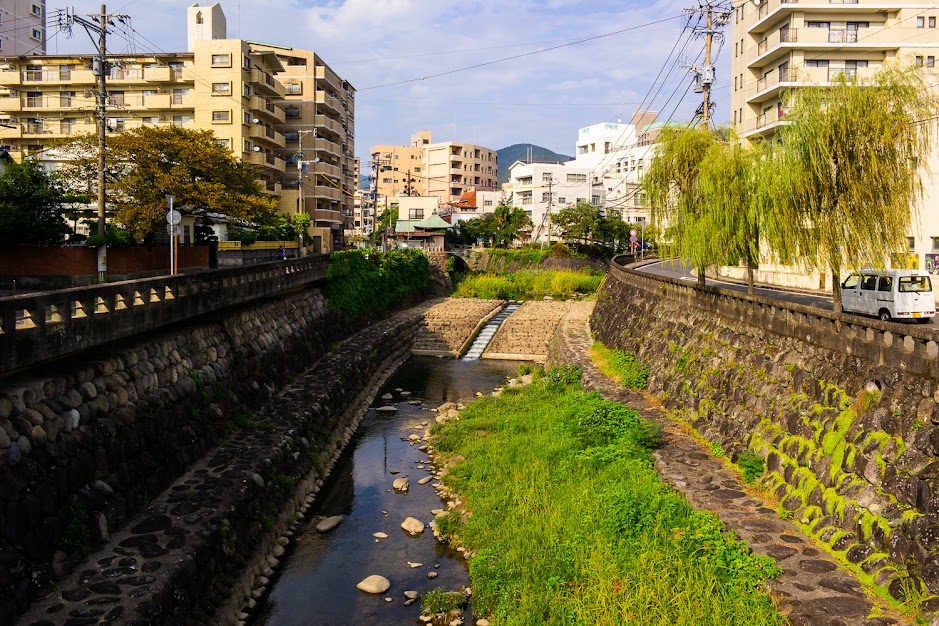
(452, 167)
(259, 100)
(22, 27)
(780, 46)
(390, 168)
(607, 172)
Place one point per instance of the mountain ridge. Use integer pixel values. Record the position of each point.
(520, 152)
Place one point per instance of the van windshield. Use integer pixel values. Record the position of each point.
(917, 284)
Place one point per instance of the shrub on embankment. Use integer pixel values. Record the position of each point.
(568, 523)
(362, 281)
(529, 285)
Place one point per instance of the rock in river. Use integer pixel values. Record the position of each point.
(328, 524)
(413, 526)
(374, 584)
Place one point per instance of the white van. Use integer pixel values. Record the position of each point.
(890, 295)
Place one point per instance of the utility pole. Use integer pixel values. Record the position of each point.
(100, 68)
(715, 15)
(550, 204)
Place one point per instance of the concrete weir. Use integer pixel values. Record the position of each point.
(488, 332)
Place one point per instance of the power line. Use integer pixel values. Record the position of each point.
(519, 56)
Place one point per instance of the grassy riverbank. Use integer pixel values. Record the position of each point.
(569, 523)
(528, 284)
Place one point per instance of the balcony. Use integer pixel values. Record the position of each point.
(324, 215)
(321, 121)
(327, 78)
(324, 99)
(328, 146)
(772, 12)
(47, 74)
(267, 161)
(261, 107)
(266, 84)
(10, 104)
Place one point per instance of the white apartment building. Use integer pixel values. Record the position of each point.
(607, 171)
(22, 27)
(780, 46)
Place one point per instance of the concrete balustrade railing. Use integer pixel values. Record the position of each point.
(867, 338)
(36, 327)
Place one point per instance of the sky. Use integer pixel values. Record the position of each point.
(603, 67)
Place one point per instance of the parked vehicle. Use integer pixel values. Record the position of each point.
(890, 295)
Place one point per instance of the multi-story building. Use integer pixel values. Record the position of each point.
(444, 170)
(282, 109)
(22, 27)
(452, 167)
(607, 172)
(781, 46)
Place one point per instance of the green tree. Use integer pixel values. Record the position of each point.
(845, 176)
(508, 224)
(30, 206)
(676, 196)
(578, 221)
(386, 219)
(148, 162)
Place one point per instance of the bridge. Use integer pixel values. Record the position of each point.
(37, 327)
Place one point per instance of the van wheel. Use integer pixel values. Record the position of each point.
(884, 315)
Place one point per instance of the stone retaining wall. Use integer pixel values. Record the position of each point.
(449, 325)
(527, 333)
(205, 549)
(86, 445)
(843, 410)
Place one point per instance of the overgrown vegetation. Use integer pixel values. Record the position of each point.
(362, 281)
(622, 367)
(529, 284)
(77, 530)
(570, 524)
(751, 464)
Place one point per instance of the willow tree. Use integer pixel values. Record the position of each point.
(699, 188)
(845, 179)
(728, 181)
(674, 194)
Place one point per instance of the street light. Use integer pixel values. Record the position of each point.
(172, 218)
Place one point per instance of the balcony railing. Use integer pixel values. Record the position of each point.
(842, 36)
(835, 73)
(788, 35)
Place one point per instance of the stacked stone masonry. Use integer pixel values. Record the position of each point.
(449, 325)
(843, 410)
(197, 553)
(87, 444)
(527, 333)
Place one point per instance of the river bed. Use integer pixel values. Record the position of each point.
(316, 582)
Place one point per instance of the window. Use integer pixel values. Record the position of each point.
(919, 61)
(247, 91)
(225, 143)
(562, 200)
(935, 243)
(180, 119)
(546, 177)
(910, 244)
(851, 281)
(921, 22)
(221, 60)
(577, 178)
(293, 89)
(885, 284)
(914, 284)
(856, 25)
(932, 22)
(221, 116)
(818, 24)
(546, 196)
(487, 202)
(37, 10)
(65, 98)
(37, 34)
(417, 168)
(292, 111)
(816, 63)
(735, 83)
(247, 63)
(386, 180)
(415, 214)
(150, 120)
(247, 146)
(869, 283)
(221, 89)
(930, 61)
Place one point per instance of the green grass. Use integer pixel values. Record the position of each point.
(528, 284)
(570, 524)
(622, 367)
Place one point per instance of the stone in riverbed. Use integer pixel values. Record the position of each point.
(387, 409)
(411, 595)
(374, 584)
(412, 526)
(425, 480)
(380, 535)
(405, 394)
(401, 484)
(328, 524)
(387, 396)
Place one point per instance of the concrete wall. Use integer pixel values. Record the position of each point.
(844, 410)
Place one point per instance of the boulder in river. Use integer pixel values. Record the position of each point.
(374, 584)
(413, 526)
(329, 523)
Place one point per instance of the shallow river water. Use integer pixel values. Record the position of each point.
(316, 582)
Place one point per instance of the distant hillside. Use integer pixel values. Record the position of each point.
(520, 152)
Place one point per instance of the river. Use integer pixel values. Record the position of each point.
(316, 582)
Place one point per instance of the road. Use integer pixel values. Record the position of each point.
(681, 271)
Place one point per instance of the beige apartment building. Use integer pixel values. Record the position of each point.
(279, 108)
(444, 170)
(22, 27)
(780, 46)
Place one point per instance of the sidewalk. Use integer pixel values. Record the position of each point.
(814, 589)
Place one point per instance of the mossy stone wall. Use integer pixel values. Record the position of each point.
(842, 409)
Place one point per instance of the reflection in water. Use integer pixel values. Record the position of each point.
(316, 584)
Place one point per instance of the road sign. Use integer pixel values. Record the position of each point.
(173, 217)
(633, 233)
(633, 239)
